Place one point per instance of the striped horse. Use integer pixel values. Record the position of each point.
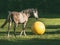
(19, 17)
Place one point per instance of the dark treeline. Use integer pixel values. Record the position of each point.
(52, 6)
(43, 6)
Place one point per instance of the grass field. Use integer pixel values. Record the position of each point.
(51, 36)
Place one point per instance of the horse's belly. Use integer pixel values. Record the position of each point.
(21, 19)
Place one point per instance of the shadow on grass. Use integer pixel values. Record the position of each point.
(29, 33)
(17, 33)
(53, 32)
(55, 29)
(49, 26)
(52, 26)
(34, 41)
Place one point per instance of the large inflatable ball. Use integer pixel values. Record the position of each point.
(38, 27)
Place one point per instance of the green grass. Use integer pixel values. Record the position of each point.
(50, 37)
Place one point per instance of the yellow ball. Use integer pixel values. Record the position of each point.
(38, 27)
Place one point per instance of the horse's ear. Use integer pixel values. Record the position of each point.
(23, 11)
(35, 9)
(9, 11)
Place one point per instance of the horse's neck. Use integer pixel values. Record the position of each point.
(28, 12)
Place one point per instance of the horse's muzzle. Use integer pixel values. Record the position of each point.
(37, 18)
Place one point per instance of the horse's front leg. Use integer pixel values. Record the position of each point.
(23, 29)
(24, 26)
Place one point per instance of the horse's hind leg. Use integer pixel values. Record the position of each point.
(15, 25)
(9, 26)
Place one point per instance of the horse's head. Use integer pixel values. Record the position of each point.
(31, 12)
(35, 13)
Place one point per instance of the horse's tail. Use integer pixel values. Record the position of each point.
(4, 24)
(7, 20)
